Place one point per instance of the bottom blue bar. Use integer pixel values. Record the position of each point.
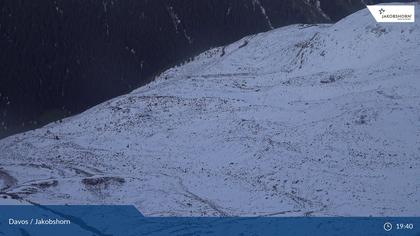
(126, 221)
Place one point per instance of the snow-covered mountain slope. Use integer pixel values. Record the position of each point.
(302, 120)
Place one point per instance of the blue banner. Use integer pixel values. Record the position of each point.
(126, 221)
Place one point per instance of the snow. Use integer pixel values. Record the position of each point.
(316, 120)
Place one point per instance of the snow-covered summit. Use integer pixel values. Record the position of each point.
(302, 120)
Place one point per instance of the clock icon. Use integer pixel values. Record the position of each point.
(387, 226)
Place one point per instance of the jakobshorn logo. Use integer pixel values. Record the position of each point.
(381, 11)
(393, 13)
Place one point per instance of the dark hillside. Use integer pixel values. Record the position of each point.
(59, 57)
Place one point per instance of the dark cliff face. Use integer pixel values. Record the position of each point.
(60, 57)
(336, 9)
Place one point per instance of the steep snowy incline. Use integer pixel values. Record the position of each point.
(302, 120)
